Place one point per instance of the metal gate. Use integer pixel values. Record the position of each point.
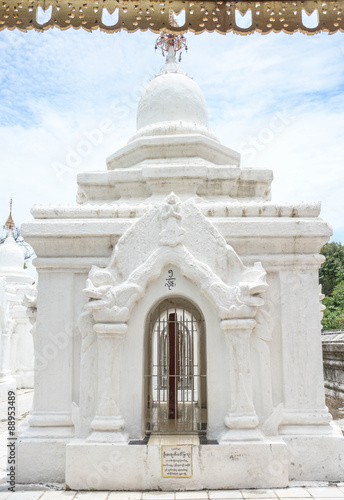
(176, 377)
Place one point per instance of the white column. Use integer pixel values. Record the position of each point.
(53, 341)
(241, 418)
(7, 381)
(108, 423)
(22, 351)
(303, 384)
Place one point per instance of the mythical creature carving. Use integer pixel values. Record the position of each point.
(169, 234)
(113, 291)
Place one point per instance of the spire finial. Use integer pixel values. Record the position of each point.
(171, 42)
(10, 225)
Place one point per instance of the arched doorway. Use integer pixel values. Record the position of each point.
(176, 369)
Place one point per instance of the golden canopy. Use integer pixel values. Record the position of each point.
(197, 15)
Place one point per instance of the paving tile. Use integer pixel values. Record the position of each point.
(317, 497)
(292, 493)
(265, 494)
(158, 495)
(265, 498)
(191, 495)
(91, 495)
(225, 495)
(331, 492)
(25, 495)
(51, 495)
(308, 484)
(125, 495)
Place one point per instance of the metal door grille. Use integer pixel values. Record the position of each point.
(175, 379)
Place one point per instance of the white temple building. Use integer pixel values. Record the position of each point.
(178, 319)
(16, 343)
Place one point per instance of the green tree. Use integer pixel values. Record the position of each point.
(334, 314)
(332, 270)
(331, 277)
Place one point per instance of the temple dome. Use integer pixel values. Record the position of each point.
(12, 261)
(172, 103)
(11, 255)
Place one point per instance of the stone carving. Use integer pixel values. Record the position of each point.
(30, 302)
(248, 345)
(172, 234)
(272, 423)
(241, 415)
(216, 208)
(108, 424)
(113, 291)
(261, 336)
(84, 412)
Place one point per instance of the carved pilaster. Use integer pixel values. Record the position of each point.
(241, 415)
(108, 424)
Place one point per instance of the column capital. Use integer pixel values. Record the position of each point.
(110, 329)
(235, 325)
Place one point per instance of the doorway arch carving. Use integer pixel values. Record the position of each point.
(175, 371)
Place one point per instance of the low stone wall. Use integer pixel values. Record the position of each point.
(333, 361)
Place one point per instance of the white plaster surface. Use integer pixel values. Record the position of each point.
(16, 342)
(175, 199)
(172, 97)
(106, 466)
(50, 491)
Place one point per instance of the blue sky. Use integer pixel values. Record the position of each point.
(277, 99)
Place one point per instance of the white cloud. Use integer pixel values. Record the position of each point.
(57, 87)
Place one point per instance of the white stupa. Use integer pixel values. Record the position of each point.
(172, 103)
(12, 262)
(16, 343)
(178, 327)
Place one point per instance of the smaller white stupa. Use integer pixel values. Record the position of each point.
(16, 343)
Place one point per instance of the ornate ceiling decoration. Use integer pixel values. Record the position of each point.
(243, 17)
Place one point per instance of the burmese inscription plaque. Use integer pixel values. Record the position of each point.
(176, 461)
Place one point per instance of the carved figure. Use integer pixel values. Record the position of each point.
(172, 233)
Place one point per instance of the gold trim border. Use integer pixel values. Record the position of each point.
(200, 16)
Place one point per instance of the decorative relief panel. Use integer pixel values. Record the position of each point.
(174, 238)
(173, 233)
(197, 16)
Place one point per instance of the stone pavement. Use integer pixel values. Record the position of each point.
(295, 493)
(298, 491)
